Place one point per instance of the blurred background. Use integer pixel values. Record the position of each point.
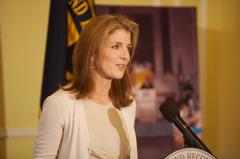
(23, 32)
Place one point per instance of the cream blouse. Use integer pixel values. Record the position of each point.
(107, 138)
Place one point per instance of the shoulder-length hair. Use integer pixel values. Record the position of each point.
(91, 38)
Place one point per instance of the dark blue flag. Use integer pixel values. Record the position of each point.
(64, 27)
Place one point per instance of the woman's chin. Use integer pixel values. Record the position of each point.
(119, 76)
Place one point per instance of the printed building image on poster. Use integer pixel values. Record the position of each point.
(165, 66)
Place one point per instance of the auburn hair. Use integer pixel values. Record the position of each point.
(91, 38)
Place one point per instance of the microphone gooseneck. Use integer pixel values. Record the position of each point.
(171, 113)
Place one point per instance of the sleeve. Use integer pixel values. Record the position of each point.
(131, 112)
(49, 131)
(134, 110)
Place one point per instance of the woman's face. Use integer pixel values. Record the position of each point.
(113, 56)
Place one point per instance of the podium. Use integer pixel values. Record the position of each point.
(190, 153)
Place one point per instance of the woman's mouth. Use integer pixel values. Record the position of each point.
(121, 67)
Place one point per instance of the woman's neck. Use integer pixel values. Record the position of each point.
(100, 93)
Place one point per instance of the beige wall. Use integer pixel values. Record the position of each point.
(23, 33)
(23, 29)
(223, 78)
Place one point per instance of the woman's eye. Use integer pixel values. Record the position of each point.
(115, 46)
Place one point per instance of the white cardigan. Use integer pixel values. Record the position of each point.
(63, 131)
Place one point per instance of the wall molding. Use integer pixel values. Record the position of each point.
(17, 133)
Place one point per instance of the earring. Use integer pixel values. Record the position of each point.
(91, 65)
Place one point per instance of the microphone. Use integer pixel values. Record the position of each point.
(171, 113)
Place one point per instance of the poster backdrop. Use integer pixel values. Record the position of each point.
(165, 66)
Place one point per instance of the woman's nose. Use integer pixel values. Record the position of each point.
(125, 54)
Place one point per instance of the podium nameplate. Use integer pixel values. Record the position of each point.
(189, 153)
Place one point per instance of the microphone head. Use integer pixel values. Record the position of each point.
(169, 110)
